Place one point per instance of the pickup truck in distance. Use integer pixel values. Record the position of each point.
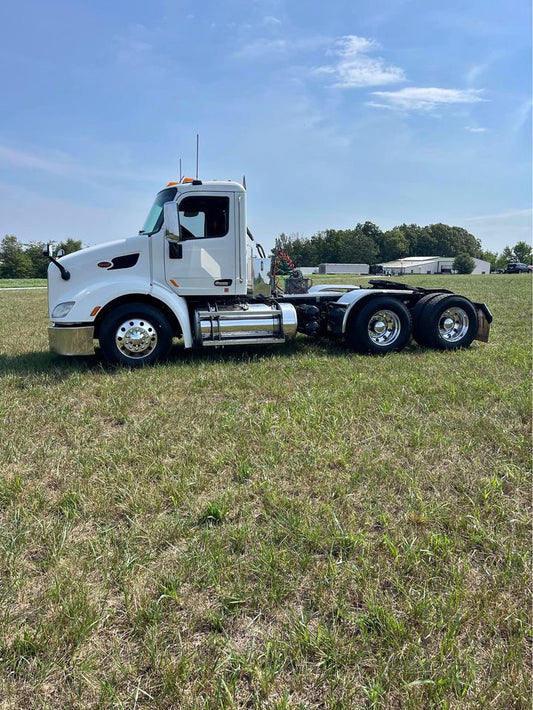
(516, 267)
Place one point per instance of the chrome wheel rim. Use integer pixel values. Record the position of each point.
(453, 325)
(384, 328)
(136, 338)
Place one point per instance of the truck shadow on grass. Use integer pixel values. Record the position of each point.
(46, 363)
(59, 368)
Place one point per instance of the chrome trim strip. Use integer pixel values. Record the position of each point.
(242, 341)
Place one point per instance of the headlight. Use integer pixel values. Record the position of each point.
(62, 309)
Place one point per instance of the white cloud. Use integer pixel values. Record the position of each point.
(476, 129)
(349, 45)
(425, 99)
(354, 68)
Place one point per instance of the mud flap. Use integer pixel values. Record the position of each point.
(483, 326)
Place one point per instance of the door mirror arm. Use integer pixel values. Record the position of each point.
(49, 253)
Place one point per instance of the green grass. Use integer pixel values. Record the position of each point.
(22, 283)
(290, 527)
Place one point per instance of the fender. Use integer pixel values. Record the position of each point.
(101, 293)
(178, 306)
(355, 298)
(320, 288)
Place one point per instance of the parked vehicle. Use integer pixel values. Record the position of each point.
(516, 267)
(191, 274)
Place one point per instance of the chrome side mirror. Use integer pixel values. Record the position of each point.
(172, 228)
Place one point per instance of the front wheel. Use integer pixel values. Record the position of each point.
(382, 325)
(135, 334)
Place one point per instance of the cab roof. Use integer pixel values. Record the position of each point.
(190, 185)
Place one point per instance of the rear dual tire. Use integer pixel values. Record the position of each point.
(444, 321)
(381, 326)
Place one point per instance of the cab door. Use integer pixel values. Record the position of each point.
(204, 260)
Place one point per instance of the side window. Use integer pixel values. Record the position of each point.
(203, 217)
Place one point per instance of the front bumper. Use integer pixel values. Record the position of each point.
(75, 340)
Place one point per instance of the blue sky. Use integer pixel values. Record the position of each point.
(338, 112)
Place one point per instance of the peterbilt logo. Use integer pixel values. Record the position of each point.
(125, 261)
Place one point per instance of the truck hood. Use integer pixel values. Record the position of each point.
(101, 252)
(110, 262)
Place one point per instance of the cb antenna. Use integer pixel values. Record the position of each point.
(197, 146)
(181, 174)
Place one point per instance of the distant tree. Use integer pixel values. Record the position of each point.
(70, 245)
(464, 263)
(501, 261)
(442, 238)
(366, 243)
(508, 255)
(300, 250)
(393, 245)
(450, 241)
(14, 262)
(522, 252)
(39, 262)
(330, 244)
(413, 235)
(356, 246)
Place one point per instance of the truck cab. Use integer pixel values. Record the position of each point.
(199, 230)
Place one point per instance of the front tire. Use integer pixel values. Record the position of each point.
(383, 325)
(135, 334)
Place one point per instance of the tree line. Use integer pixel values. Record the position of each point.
(27, 261)
(364, 244)
(368, 244)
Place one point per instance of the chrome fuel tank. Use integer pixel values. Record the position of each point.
(247, 323)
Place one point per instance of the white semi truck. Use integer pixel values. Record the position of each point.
(191, 273)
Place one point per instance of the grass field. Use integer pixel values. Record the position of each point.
(18, 283)
(290, 527)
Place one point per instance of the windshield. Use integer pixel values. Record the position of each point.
(154, 221)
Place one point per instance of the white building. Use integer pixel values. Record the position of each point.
(343, 269)
(429, 265)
